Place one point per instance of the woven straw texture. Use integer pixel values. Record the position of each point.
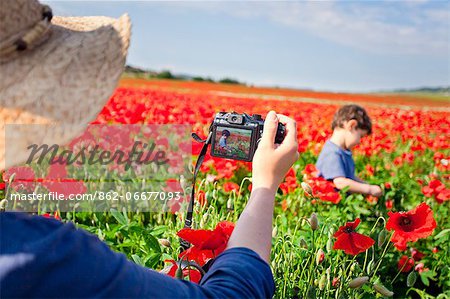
(65, 81)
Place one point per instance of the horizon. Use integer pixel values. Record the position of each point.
(337, 46)
(189, 77)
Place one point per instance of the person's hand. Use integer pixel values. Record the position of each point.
(375, 190)
(272, 161)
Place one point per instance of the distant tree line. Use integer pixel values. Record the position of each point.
(166, 74)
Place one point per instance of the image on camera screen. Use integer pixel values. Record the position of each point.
(232, 142)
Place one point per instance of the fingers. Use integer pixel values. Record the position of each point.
(291, 129)
(270, 129)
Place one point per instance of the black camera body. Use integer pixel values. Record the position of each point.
(236, 136)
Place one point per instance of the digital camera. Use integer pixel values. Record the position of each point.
(236, 136)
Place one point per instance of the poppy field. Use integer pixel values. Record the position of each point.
(326, 244)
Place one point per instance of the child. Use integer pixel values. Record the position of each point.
(223, 139)
(335, 162)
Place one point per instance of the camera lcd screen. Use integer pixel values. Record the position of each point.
(232, 143)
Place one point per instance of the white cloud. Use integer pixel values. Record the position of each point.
(396, 27)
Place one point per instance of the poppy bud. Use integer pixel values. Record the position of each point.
(179, 273)
(320, 256)
(204, 219)
(369, 266)
(164, 242)
(307, 188)
(382, 290)
(230, 204)
(335, 282)
(303, 243)
(411, 279)
(314, 222)
(331, 232)
(183, 182)
(322, 282)
(329, 245)
(274, 232)
(382, 237)
(358, 282)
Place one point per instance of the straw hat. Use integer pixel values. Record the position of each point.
(54, 70)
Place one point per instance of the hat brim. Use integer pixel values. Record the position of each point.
(65, 82)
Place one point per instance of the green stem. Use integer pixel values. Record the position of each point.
(382, 256)
(398, 273)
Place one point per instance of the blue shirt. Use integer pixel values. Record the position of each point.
(45, 258)
(223, 141)
(335, 162)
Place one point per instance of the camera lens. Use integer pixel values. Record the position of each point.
(234, 118)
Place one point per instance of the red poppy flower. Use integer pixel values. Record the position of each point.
(206, 243)
(230, 186)
(57, 171)
(201, 198)
(372, 199)
(55, 215)
(350, 241)
(24, 178)
(405, 264)
(411, 226)
(444, 195)
(370, 170)
(416, 254)
(66, 187)
(389, 204)
(192, 274)
(433, 188)
(325, 190)
(311, 170)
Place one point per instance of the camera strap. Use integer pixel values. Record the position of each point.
(188, 221)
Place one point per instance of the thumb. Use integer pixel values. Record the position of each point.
(270, 129)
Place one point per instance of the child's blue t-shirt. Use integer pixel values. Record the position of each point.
(223, 141)
(44, 258)
(335, 161)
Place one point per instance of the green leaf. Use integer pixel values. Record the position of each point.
(159, 230)
(126, 244)
(425, 280)
(411, 279)
(152, 242)
(153, 260)
(119, 217)
(442, 233)
(137, 259)
(425, 276)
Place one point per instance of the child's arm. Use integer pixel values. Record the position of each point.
(358, 179)
(357, 187)
(271, 162)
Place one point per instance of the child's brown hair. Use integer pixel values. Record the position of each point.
(349, 112)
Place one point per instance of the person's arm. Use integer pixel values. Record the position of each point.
(44, 258)
(358, 179)
(270, 164)
(54, 260)
(357, 187)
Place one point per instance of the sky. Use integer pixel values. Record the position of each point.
(353, 46)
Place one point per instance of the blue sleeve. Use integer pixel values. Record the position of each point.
(45, 258)
(331, 165)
